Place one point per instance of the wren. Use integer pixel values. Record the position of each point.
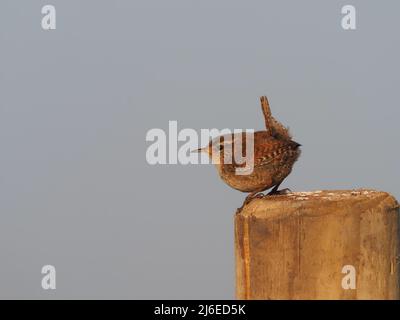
(272, 158)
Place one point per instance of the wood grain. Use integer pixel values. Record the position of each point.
(294, 246)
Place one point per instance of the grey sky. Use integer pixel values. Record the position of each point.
(76, 103)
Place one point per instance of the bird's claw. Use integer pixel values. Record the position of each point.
(261, 195)
(249, 198)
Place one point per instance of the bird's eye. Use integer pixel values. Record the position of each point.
(220, 147)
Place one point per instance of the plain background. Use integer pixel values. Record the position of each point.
(76, 103)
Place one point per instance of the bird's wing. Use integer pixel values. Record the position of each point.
(274, 152)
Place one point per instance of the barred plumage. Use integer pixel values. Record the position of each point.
(274, 155)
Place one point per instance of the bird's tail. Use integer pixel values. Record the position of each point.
(274, 127)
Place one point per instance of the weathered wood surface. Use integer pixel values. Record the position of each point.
(295, 246)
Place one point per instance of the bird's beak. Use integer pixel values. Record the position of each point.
(198, 150)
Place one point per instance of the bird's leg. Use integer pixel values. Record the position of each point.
(275, 190)
(280, 192)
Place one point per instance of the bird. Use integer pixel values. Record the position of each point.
(272, 158)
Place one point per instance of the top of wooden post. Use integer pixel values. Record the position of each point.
(295, 246)
(323, 201)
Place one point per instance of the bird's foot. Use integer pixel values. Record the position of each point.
(249, 198)
(279, 192)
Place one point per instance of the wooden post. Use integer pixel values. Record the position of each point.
(339, 244)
